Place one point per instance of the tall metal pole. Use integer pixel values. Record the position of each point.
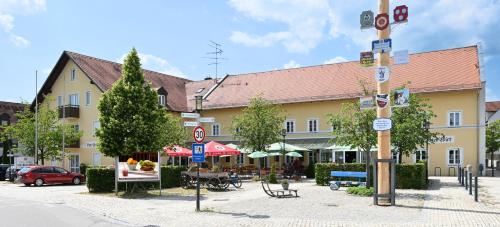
(384, 137)
(63, 120)
(36, 117)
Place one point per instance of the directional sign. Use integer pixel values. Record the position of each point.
(366, 59)
(382, 21)
(382, 124)
(382, 74)
(382, 46)
(207, 119)
(366, 19)
(198, 152)
(199, 134)
(190, 115)
(366, 102)
(401, 57)
(400, 14)
(190, 124)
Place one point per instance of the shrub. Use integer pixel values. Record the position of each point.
(272, 175)
(360, 190)
(310, 171)
(83, 168)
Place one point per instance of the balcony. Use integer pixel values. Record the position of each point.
(74, 145)
(69, 111)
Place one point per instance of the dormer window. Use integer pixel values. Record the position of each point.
(161, 100)
(200, 90)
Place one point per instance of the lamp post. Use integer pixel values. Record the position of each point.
(198, 108)
(283, 133)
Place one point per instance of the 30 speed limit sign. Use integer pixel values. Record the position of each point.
(199, 134)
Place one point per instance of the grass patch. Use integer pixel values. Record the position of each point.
(360, 191)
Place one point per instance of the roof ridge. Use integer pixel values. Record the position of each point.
(119, 64)
(14, 103)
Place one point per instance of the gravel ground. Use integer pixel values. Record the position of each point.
(444, 204)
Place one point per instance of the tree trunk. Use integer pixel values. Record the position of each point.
(42, 157)
(400, 156)
(492, 165)
(368, 172)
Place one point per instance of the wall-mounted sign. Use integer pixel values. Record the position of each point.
(382, 124)
(400, 14)
(401, 57)
(382, 21)
(366, 59)
(382, 74)
(190, 115)
(366, 102)
(366, 19)
(382, 46)
(402, 97)
(92, 144)
(190, 124)
(382, 100)
(207, 119)
(443, 139)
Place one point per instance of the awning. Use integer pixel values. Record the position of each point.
(311, 144)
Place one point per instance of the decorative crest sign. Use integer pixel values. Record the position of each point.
(400, 14)
(366, 59)
(366, 19)
(382, 74)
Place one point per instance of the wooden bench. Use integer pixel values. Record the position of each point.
(335, 185)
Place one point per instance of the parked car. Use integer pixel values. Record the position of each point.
(3, 170)
(40, 175)
(11, 173)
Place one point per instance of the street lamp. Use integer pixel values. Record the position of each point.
(283, 133)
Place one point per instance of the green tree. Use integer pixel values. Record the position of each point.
(493, 138)
(172, 130)
(50, 133)
(4, 139)
(354, 127)
(130, 116)
(259, 125)
(408, 133)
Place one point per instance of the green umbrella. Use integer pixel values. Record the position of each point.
(293, 154)
(288, 147)
(274, 154)
(242, 150)
(257, 154)
(341, 148)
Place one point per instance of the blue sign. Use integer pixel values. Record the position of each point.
(198, 152)
(382, 46)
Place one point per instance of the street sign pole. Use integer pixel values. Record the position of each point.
(383, 137)
(198, 156)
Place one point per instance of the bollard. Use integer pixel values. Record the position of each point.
(470, 183)
(466, 180)
(462, 182)
(476, 190)
(459, 174)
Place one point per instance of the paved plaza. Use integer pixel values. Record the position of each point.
(444, 204)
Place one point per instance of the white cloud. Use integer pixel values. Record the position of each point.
(291, 64)
(6, 22)
(304, 19)
(19, 41)
(334, 60)
(157, 64)
(491, 96)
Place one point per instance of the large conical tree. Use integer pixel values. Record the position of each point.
(131, 119)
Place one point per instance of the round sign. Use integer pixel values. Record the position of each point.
(401, 13)
(199, 134)
(382, 21)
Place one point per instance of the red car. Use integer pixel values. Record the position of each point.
(39, 175)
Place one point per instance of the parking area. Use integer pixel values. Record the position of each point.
(445, 204)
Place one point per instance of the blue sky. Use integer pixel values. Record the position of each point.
(256, 35)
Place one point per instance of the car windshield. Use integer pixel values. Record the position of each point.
(24, 169)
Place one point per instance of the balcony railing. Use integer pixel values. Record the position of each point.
(75, 144)
(69, 111)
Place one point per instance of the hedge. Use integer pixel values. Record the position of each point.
(407, 175)
(101, 179)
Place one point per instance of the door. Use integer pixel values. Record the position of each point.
(47, 174)
(62, 176)
(74, 163)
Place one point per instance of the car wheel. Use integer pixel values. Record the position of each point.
(27, 185)
(76, 181)
(39, 182)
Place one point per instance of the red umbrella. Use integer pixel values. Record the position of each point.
(216, 149)
(177, 151)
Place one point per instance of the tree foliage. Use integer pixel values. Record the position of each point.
(259, 125)
(50, 133)
(493, 137)
(130, 116)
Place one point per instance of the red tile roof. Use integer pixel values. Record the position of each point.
(444, 70)
(492, 106)
(10, 109)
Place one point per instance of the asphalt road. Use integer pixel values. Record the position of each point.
(21, 213)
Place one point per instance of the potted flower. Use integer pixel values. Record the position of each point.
(284, 184)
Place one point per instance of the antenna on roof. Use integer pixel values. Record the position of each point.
(215, 56)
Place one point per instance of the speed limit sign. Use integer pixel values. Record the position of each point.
(199, 134)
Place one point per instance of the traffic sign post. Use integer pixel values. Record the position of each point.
(198, 156)
(199, 134)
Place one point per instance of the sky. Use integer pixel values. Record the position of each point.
(173, 37)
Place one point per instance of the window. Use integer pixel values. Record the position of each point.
(73, 75)
(88, 97)
(312, 125)
(74, 100)
(216, 159)
(290, 126)
(237, 130)
(59, 101)
(4, 123)
(96, 158)
(251, 161)
(76, 127)
(395, 156)
(161, 100)
(60, 170)
(53, 161)
(420, 155)
(47, 170)
(74, 163)
(454, 156)
(240, 159)
(335, 126)
(215, 129)
(454, 118)
(95, 126)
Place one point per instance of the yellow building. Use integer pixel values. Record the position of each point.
(451, 79)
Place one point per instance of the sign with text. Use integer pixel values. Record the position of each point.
(382, 124)
(382, 46)
(401, 57)
(382, 74)
(443, 139)
(207, 119)
(366, 102)
(402, 97)
(198, 152)
(190, 124)
(190, 115)
(199, 134)
(366, 59)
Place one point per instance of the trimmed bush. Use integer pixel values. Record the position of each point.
(310, 171)
(101, 179)
(408, 176)
(360, 190)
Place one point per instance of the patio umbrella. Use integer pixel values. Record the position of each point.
(257, 154)
(242, 150)
(178, 151)
(336, 147)
(288, 147)
(274, 154)
(293, 154)
(213, 148)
